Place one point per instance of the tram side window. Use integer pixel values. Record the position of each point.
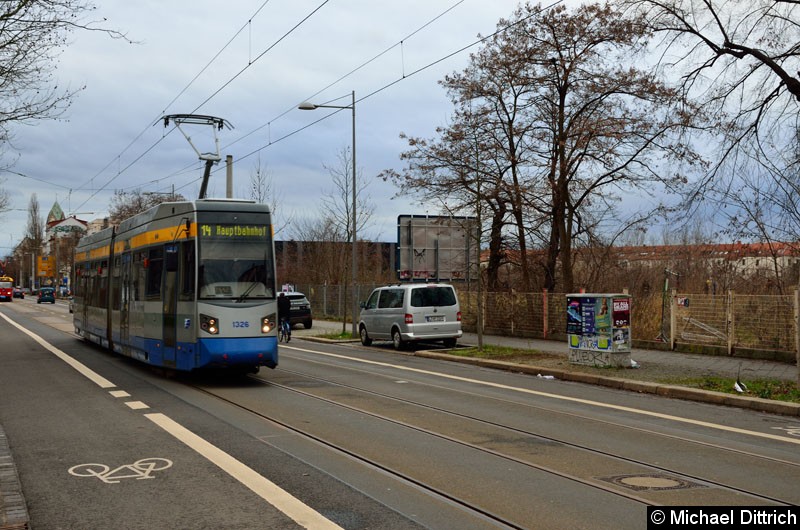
(91, 272)
(154, 266)
(94, 295)
(138, 275)
(77, 285)
(115, 285)
(102, 284)
(83, 276)
(187, 270)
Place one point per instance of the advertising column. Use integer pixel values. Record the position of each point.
(599, 329)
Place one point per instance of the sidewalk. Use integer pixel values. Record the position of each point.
(13, 510)
(651, 362)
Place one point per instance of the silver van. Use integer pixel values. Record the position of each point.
(411, 312)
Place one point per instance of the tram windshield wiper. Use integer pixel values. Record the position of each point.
(247, 292)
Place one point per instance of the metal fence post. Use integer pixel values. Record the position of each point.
(673, 319)
(731, 323)
(797, 331)
(544, 313)
(325, 298)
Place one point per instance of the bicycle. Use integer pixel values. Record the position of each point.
(285, 331)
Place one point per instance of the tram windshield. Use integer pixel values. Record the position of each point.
(235, 262)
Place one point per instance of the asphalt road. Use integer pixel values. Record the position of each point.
(356, 437)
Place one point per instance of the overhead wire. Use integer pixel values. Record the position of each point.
(195, 165)
(174, 99)
(250, 63)
(341, 78)
(403, 77)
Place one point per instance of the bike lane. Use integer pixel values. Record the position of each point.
(88, 454)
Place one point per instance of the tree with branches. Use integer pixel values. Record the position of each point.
(34, 231)
(739, 61)
(565, 126)
(32, 34)
(125, 204)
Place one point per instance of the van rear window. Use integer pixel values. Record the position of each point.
(433, 296)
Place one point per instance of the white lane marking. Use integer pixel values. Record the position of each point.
(136, 405)
(562, 398)
(302, 514)
(267, 490)
(119, 393)
(93, 376)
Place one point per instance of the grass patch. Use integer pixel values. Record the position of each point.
(501, 353)
(761, 388)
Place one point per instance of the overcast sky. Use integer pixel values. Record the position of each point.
(109, 138)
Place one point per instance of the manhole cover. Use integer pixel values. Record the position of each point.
(653, 482)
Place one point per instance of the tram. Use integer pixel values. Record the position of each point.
(7, 288)
(183, 285)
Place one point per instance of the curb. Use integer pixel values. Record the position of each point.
(13, 510)
(771, 406)
(670, 391)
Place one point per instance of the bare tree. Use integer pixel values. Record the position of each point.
(261, 184)
(125, 204)
(34, 231)
(261, 191)
(565, 126)
(338, 204)
(338, 211)
(459, 171)
(739, 60)
(5, 199)
(32, 34)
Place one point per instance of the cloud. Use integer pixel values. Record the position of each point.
(108, 140)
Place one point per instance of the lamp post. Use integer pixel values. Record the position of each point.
(306, 105)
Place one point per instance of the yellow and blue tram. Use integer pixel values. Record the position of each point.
(183, 285)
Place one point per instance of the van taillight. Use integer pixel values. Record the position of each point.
(409, 318)
(458, 316)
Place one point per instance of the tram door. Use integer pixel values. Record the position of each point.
(170, 301)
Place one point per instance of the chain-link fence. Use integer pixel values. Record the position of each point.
(763, 325)
(735, 321)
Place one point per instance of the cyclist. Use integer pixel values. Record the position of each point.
(284, 307)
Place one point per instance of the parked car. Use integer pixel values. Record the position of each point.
(46, 294)
(19, 293)
(300, 311)
(411, 312)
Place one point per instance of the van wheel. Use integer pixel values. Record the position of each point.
(397, 340)
(365, 340)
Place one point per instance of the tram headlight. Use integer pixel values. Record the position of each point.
(268, 323)
(209, 324)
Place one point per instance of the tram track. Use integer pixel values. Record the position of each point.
(408, 477)
(548, 469)
(562, 441)
(428, 489)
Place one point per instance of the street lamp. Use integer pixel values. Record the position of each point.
(307, 105)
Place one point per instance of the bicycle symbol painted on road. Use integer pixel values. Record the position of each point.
(140, 470)
(792, 430)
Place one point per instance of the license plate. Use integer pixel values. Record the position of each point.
(437, 318)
